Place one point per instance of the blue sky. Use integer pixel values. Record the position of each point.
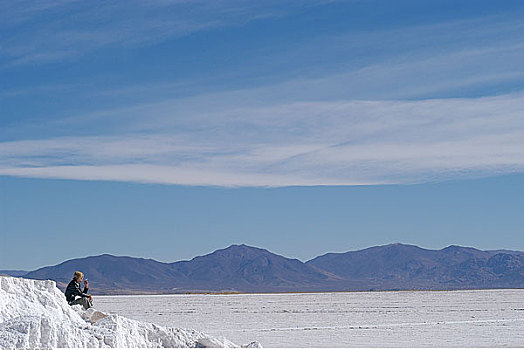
(167, 129)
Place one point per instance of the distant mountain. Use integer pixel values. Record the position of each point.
(240, 268)
(401, 266)
(109, 273)
(13, 273)
(506, 251)
(244, 268)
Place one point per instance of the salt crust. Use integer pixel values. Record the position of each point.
(35, 314)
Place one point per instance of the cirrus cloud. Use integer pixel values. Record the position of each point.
(299, 143)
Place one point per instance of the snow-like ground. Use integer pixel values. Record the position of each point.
(492, 318)
(34, 314)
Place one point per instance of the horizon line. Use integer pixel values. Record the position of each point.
(250, 246)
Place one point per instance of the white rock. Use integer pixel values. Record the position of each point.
(35, 314)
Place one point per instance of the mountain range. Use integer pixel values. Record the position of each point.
(241, 268)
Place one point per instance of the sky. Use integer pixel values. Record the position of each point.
(169, 129)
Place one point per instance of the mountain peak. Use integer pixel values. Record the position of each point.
(241, 267)
(394, 246)
(240, 248)
(105, 255)
(398, 244)
(454, 247)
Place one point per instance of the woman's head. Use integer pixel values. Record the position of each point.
(78, 276)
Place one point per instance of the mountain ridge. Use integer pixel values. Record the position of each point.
(242, 268)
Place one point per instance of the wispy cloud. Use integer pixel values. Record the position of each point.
(364, 107)
(37, 32)
(448, 59)
(316, 143)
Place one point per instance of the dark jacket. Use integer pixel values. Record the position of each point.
(73, 289)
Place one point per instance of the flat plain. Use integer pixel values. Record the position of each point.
(479, 318)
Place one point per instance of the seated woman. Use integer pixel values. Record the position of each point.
(73, 291)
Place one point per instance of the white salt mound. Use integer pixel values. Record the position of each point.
(35, 314)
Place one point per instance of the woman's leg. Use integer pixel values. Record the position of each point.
(84, 301)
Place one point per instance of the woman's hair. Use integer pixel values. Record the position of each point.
(78, 274)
